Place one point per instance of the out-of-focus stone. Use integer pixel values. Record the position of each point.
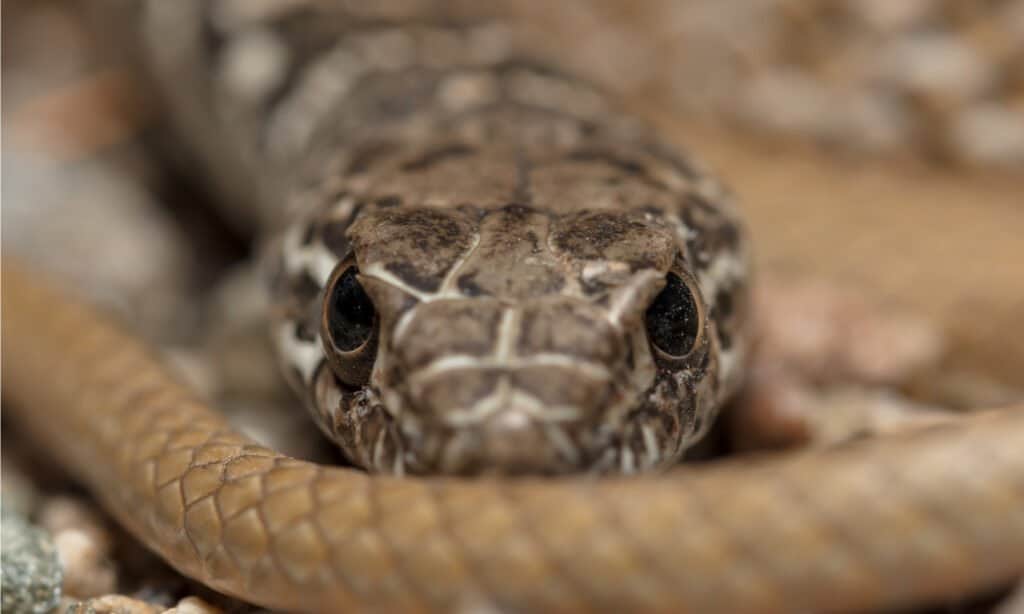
(829, 366)
(31, 570)
(831, 334)
(194, 605)
(100, 232)
(990, 135)
(84, 545)
(935, 66)
(872, 123)
(62, 513)
(889, 16)
(88, 572)
(781, 410)
(112, 604)
(870, 76)
(790, 101)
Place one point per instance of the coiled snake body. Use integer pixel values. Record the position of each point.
(483, 267)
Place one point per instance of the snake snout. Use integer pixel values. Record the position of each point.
(536, 391)
(541, 418)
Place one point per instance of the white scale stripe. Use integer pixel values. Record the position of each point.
(464, 361)
(304, 356)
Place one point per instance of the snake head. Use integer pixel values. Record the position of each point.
(563, 333)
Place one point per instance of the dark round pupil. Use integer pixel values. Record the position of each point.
(672, 318)
(350, 312)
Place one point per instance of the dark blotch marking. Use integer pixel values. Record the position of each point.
(304, 287)
(308, 234)
(592, 155)
(211, 38)
(305, 332)
(673, 319)
(389, 201)
(591, 236)
(679, 162)
(468, 286)
(434, 156)
(408, 273)
(723, 303)
(631, 168)
(297, 375)
(630, 358)
(724, 338)
(713, 232)
(428, 230)
(472, 211)
(334, 238)
(723, 311)
(517, 211)
(334, 234)
(593, 287)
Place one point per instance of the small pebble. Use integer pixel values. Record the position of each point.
(31, 570)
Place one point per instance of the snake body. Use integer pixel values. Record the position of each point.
(482, 264)
(530, 184)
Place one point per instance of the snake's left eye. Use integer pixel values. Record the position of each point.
(673, 319)
(349, 327)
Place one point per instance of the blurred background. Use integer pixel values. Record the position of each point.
(877, 147)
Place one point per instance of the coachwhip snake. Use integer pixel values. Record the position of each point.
(743, 537)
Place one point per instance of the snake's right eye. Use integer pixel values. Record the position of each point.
(349, 327)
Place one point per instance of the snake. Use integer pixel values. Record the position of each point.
(479, 265)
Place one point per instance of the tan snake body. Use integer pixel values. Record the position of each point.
(804, 532)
